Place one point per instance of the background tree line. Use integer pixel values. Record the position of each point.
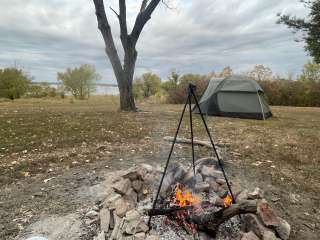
(78, 81)
(281, 91)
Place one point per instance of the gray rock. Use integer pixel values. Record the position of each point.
(122, 186)
(139, 236)
(109, 202)
(211, 172)
(101, 236)
(242, 196)
(104, 219)
(222, 193)
(137, 185)
(202, 187)
(190, 180)
(252, 223)
(283, 229)
(132, 174)
(204, 236)
(175, 173)
(142, 173)
(122, 206)
(267, 215)
(142, 227)
(221, 181)
(153, 237)
(112, 219)
(219, 202)
(117, 223)
(132, 215)
(269, 235)
(120, 236)
(209, 161)
(130, 227)
(37, 238)
(132, 195)
(256, 194)
(249, 236)
(213, 185)
(148, 167)
(92, 214)
(199, 178)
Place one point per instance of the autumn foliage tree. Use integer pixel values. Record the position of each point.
(80, 81)
(261, 73)
(310, 73)
(147, 85)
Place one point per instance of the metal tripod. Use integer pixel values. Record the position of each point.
(191, 95)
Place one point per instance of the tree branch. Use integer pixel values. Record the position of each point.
(114, 12)
(123, 23)
(142, 19)
(105, 30)
(188, 141)
(166, 4)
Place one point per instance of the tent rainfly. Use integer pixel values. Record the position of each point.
(234, 96)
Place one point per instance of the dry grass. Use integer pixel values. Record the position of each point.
(290, 140)
(281, 155)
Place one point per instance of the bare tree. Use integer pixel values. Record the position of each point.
(261, 73)
(124, 71)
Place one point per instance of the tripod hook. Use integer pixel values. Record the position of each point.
(191, 88)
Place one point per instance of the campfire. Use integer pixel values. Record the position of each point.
(184, 198)
(188, 208)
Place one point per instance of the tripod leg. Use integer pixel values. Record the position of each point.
(170, 153)
(191, 133)
(213, 146)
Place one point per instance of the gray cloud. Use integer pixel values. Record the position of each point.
(196, 36)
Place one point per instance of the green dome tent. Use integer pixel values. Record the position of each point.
(234, 96)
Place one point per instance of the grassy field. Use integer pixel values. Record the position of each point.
(280, 155)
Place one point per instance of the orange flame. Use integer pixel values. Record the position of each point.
(185, 198)
(227, 201)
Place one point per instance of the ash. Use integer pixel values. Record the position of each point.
(168, 230)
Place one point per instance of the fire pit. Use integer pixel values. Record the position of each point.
(205, 213)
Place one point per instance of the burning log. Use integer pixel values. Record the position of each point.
(167, 211)
(209, 221)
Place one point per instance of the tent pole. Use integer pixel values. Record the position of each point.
(264, 118)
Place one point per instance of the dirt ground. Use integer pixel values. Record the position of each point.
(52, 151)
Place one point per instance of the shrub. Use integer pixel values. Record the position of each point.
(179, 94)
(40, 91)
(172, 82)
(14, 83)
(292, 93)
(149, 84)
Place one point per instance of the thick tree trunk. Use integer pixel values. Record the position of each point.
(126, 96)
(124, 74)
(125, 85)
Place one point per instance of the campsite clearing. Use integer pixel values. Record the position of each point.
(51, 149)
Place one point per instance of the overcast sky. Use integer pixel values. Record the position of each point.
(199, 36)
